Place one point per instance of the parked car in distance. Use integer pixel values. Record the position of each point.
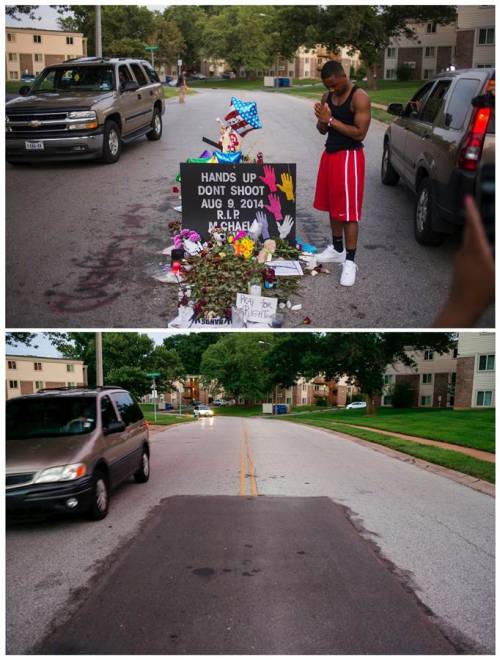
(84, 108)
(437, 145)
(67, 448)
(168, 79)
(229, 75)
(202, 411)
(198, 76)
(356, 405)
(172, 82)
(27, 78)
(219, 402)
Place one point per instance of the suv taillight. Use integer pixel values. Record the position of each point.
(470, 152)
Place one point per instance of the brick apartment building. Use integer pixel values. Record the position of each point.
(467, 43)
(26, 374)
(475, 370)
(30, 50)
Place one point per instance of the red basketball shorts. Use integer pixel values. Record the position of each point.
(340, 185)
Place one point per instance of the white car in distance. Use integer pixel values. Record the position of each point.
(356, 405)
(203, 411)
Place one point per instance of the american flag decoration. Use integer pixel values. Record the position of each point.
(243, 116)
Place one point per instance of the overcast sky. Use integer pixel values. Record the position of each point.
(45, 348)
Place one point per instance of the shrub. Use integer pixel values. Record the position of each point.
(404, 72)
(321, 402)
(402, 395)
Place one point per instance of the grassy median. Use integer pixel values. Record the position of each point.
(444, 457)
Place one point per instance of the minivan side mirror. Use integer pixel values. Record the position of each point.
(395, 109)
(25, 90)
(113, 427)
(129, 86)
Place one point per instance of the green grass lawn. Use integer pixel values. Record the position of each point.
(445, 457)
(468, 428)
(13, 86)
(237, 411)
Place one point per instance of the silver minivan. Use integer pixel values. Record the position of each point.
(68, 448)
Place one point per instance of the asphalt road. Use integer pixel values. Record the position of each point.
(83, 239)
(345, 550)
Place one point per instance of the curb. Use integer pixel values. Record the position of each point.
(484, 487)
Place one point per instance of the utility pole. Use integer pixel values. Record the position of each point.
(98, 33)
(98, 359)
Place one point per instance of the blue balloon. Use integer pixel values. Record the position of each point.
(231, 157)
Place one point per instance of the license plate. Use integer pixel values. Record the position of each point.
(34, 146)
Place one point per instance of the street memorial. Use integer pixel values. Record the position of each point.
(235, 256)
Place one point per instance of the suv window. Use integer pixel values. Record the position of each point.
(129, 410)
(108, 413)
(435, 101)
(415, 105)
(75, 79)
(153, 76)
(459, 104)
(139, 75)
(50, 416)
(124, 74)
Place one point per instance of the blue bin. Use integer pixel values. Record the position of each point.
(283, 82)
(280, 409)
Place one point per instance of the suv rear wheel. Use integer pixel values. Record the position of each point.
(156, 126)
(388, 174)
(112, 146)
(99, 504)
(142, 474)
(424, 233)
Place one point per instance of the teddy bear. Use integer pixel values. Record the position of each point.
(266, 254)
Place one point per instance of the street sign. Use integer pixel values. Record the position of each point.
(179, 62)
(154, 393)
(151, 48)
(154, 374)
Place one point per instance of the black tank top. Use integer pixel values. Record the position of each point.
(336, 141)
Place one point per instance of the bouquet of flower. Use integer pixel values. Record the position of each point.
(244, 247)
(185, 235)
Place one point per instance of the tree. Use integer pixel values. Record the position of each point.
(132, 379)
(26, 338)
(238, 363)
(190, 349)
(190, 20)
(242, 35)
(167, 35)
(123, 26)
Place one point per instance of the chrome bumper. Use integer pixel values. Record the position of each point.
(77, 146)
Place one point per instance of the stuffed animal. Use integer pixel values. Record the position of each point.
(217, 235)
(266, 254)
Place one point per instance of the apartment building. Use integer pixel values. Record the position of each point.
(468, 42)
(431, 381)
(475, 386)
(475, 36)
(29, 50)
(26, 374)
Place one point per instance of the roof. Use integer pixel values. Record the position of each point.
(39, 358)
(10, 28)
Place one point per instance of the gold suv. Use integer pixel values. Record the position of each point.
(84, 108)
(68, 448)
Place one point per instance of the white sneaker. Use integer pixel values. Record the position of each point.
(348, 276)
(331, 255)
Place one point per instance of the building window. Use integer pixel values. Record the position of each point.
(38, 57)
(412, 64)
(11, 37)
(429, 355)
(387, 400)
(390, 74)
(13, 384)
(39, 384)
(485, 66)
(13, 75)
(486, 37)
(426, 378)
(428, 74)
(70, 367)
(37, 366)
(71, 384)
(425, 401)
(391, 53)
(69, 41)
(429, 51)
(12, 57)
(290, 74)
(11, 364)
(431, 27)
(486, 363)
(37, 39)
(388, 379)
(484, 398)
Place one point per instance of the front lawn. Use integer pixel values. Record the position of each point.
(237, 411)
(468, 428)
(445, 457)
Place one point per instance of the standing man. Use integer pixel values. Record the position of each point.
(344, 114)
(181, 83)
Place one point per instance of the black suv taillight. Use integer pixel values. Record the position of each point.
(470, 153)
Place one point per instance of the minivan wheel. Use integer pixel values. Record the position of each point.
(99, 504)
(156, 126)
(112, 144)
(424, 233)
(142, 474)
(388, 174)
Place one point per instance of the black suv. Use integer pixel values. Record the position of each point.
(437, 146)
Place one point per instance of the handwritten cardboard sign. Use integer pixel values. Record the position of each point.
(257, 309)
(230, 196)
